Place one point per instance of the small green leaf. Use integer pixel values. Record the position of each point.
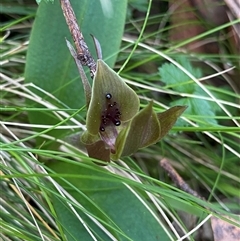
(177, 79)
(168, 118)
(106, 81)
(198, 107)
(143, 130)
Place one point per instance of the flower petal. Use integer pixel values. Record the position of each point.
(143, 130)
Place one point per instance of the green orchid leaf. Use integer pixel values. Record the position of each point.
(103, 198)
(143, 130)
(112, 101)
(168, 118)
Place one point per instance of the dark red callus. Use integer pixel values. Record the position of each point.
(111, 114)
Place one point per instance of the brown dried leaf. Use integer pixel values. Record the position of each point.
(225, 231)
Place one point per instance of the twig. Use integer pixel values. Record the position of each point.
(83, 53)
(179, 182)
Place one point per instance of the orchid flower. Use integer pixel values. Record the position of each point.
(115, 126)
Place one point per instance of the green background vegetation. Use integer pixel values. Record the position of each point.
(50, 189)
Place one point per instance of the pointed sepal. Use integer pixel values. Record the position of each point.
(168, 118)
(109, 90)
(143, 130)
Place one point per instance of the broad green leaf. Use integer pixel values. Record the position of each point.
(49, 63)
(106, 81)
(106, 199)
(168, 118)
(143, 130)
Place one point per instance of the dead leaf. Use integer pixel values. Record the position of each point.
(225, 231)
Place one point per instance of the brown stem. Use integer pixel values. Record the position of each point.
(83, 52)
(179, 182)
